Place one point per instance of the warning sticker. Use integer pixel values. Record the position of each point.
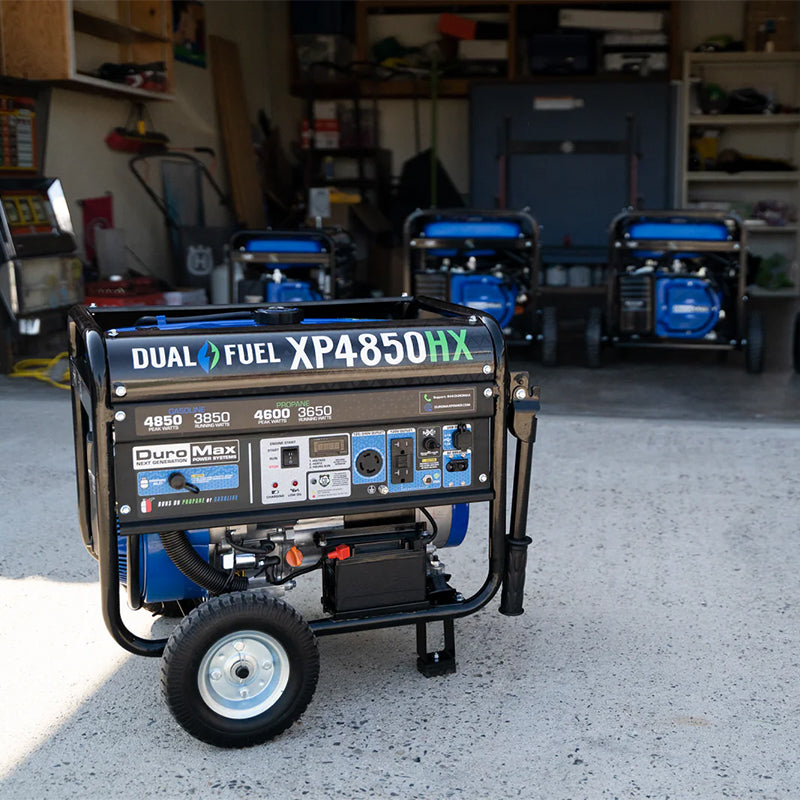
(327, 485)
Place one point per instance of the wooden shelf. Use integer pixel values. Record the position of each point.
(765, 135)
(711, 176)
(773, 294)
(599, 290)
(63, 44)
(755, 229)
(110, 29)
(748, 59)
(457, 85)
(385, 90)
(765, 120)
(91, 83)
(448, 87)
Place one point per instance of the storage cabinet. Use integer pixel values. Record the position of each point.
(745, 162)
(66, 41)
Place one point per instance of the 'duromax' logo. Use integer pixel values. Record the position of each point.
(208, 356)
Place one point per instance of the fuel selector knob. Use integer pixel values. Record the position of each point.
(462, 438)
(177, 480)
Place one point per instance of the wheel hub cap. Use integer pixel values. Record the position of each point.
(243, 674)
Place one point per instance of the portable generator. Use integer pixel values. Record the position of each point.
(486, 260)
(677, 279)
(220, 457)
(282, 266)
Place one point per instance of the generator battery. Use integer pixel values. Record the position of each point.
(220, 456)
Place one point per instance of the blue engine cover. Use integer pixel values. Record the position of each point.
(161, 579)
(291, 292)
(687, 308)
(485, 293)
(459, 523)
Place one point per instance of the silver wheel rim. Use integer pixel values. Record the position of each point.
(243, 674)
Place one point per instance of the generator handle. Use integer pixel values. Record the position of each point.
(89, 360)
(522, 424)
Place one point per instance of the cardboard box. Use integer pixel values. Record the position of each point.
(326, 134)
(315, 49)
(326, 110)
(777, 14)
(483, 49)
(186, 297)
(595, 19)
(637, 62)
(465, 28)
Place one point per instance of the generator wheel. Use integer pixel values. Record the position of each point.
(796, 344)
(240, 669)
(754, 349)
(593, 337)
(549, 337)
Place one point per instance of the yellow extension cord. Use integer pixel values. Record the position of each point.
(44, 369)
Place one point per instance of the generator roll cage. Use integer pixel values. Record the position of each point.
(748, 327)
(271, 249)
(462, 234)
(94, 415)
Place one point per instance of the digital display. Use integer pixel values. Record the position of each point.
(326, 446)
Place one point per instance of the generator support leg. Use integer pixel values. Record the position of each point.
(438, 662)
(523, 425)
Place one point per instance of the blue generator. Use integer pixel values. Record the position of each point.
(677, 279)
(282, 266)
(485, 260)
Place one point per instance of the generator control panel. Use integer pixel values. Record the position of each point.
(253, 455)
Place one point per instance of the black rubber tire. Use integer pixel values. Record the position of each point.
(593, 337)
(796, 344)
(251, 613)
(173, 608)
(754, 349)
(549, 337)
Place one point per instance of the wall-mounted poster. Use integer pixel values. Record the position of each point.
(189, 32)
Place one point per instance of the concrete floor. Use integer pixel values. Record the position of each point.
(665, 384)
(657, 657)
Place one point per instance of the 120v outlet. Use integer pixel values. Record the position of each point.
(402, 460)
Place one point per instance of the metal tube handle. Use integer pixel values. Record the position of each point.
(522, 424)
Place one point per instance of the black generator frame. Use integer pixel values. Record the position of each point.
(325, 259)
(93, 416)
(416, 246)
(608, 331)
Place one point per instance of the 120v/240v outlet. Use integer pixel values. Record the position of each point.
(369, 463)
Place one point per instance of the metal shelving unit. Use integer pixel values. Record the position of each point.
(774, 135)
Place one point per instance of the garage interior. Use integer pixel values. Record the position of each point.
(152, 150)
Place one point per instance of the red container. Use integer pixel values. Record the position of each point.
(129, 292)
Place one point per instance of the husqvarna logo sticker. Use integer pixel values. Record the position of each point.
(208, 356)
